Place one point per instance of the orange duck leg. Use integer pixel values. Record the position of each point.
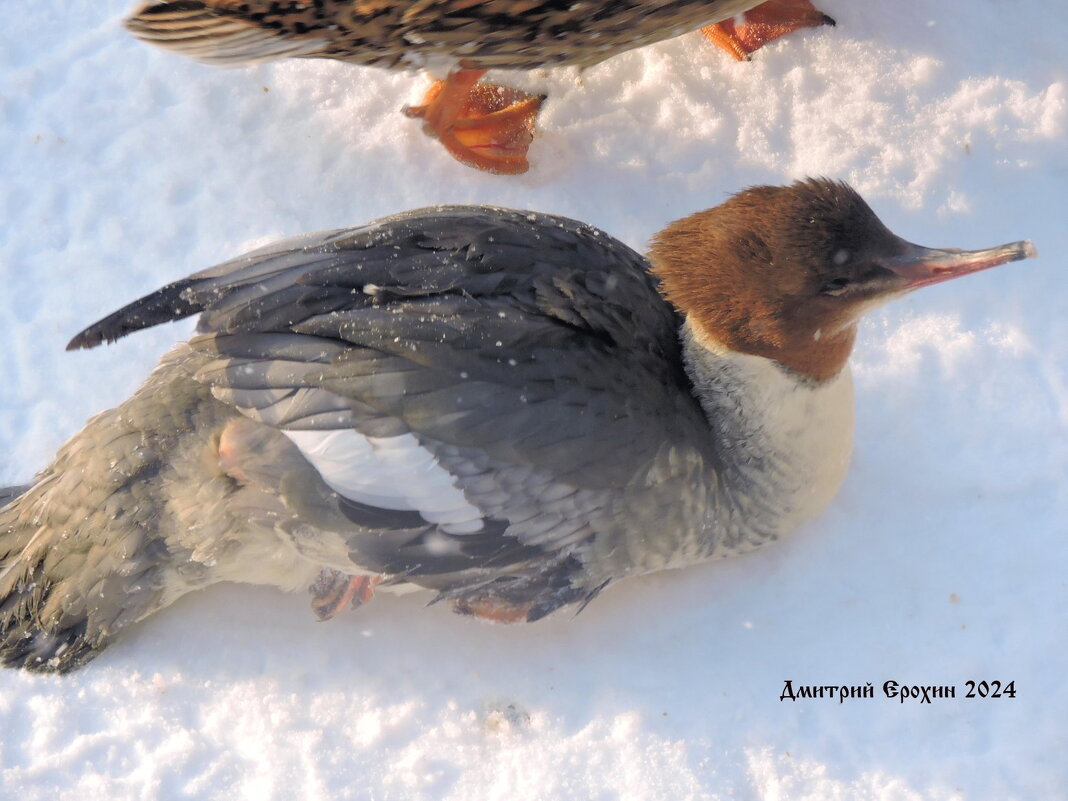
(495, 609)
(762, 24)
(484, 126)
(333, 591)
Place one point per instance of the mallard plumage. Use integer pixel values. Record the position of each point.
(462, 38)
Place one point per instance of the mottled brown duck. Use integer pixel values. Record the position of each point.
(482, 125)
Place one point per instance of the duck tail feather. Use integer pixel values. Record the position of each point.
(215, 33)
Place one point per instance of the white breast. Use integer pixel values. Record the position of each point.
(805, 429)
(788, 441)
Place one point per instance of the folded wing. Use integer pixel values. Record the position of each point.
(474, 387)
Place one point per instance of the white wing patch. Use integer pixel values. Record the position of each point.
(390, 473)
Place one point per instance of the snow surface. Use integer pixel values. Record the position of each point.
(942, 560)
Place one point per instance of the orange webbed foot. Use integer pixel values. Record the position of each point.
(762, 24)
(333, 591)
(484, 126)
(490, 608)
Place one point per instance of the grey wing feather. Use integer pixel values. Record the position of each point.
(549, 265)
(531, 355)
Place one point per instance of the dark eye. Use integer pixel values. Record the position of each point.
(835, 287)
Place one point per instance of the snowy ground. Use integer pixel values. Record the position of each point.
(942, 560)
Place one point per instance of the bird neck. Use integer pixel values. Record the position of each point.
(784, 440)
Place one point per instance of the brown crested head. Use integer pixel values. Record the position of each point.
(785, 272)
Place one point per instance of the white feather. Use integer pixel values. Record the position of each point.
(390, 473)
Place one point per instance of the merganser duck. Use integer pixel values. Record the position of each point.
(511, 409)
(485, 126)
